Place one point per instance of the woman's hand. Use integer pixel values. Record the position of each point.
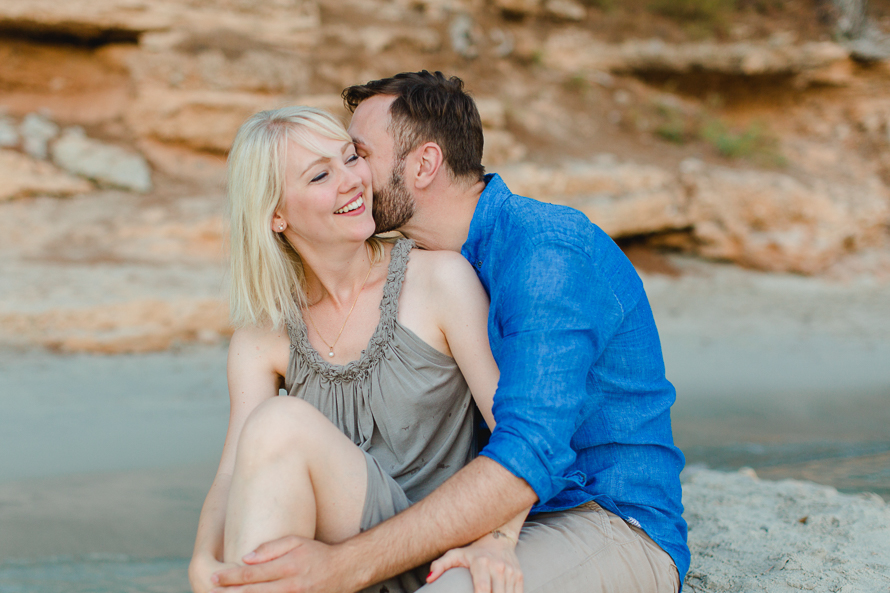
(200, 570)
(491, 560)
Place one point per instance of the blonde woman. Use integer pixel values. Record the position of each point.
(380, 345)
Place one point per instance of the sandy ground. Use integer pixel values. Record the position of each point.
(107, 458)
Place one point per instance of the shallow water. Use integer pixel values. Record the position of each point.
(113, 455)
(95, 575)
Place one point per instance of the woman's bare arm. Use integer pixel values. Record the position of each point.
(252, 378)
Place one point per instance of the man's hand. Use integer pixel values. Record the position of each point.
(200, 570)
(288, 565)
(492, 562)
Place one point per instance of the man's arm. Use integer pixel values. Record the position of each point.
(478, 499)
(562, 319)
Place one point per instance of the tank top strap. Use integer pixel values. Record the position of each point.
(395, 277)
(383, 334)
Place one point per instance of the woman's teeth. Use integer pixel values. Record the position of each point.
(350, 206)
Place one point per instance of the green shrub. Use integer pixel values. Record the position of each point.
(694, 10)
(754, 143)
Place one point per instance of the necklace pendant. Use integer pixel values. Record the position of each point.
(331, 354)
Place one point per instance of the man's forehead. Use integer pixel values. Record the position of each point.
(371, 114)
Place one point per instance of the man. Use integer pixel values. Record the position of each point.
(582, 406)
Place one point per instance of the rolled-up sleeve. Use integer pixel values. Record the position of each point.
(555, 314)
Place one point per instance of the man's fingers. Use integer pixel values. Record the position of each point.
(272, 550)
(244, 575)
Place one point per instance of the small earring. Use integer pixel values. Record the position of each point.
(281, 227)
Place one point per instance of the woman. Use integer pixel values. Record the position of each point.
(382, 372)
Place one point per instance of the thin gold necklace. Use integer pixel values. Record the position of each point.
(331, 346)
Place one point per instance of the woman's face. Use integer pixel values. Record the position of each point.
(325, 199)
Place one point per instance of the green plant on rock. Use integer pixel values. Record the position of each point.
(694, 10)
(673, 125)
(753, 143)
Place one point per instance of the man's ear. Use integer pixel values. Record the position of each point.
(429, 164)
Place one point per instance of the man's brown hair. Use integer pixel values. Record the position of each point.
(429, 108)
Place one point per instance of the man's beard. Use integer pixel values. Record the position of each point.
(393, 205)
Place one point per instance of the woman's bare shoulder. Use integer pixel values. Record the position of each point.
(442, 265)
(260, 345)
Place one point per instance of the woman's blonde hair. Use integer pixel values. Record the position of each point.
(268, 283)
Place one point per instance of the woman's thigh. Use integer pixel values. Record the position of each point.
(290, 448)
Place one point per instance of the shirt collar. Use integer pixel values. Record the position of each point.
(490, 203)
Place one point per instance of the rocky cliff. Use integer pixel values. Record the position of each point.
(756, 135)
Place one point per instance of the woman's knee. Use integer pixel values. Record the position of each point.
(278, 424)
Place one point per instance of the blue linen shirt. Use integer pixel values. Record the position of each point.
(582, 405)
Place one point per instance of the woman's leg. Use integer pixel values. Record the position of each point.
(295, 474)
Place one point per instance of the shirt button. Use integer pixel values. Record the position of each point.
(479, 264)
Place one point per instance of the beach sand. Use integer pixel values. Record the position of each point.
(107, 458)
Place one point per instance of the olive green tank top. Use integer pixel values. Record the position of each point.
(403, 402)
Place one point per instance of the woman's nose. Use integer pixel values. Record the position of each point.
(350, 179)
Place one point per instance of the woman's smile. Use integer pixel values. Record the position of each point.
(356, 205)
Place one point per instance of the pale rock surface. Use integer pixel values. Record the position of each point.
(22, 176)
(220, 61)
(622, 198)
(522, 7)
(464, 35)
(576, 50)
(36, 131)
(748, 535)
(103, 163)
(501, 148)
(773, 221)
(9, 135)
(565, 9)
(114, 272)
(206, 120)
(286, 23)
(760, 219)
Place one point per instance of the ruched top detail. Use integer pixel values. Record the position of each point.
(402, 401)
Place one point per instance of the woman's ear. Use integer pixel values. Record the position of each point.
(278, 225)
(429, 164)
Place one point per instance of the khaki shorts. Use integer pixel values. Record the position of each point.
(582, 550)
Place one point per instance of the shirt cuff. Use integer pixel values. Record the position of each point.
(521, 459)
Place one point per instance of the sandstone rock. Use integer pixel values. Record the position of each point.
(99, 20)
(21, 176)
(520, 7)
(181, 163)
(501, 147)
(9, 135)
(206, 120)
(36, 131)
(576, 50)
(565, 9)
(219, 60)
(377, 39)
(106, 164)
(464, 36)
(492, 112)
(772, 221)
(622, 198)
(130, 327)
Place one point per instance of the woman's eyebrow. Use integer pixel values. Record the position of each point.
(317, 161)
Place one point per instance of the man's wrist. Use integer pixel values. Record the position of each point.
(358, 569)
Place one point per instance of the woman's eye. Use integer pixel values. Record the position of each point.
(351, 159)
(319, 177)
